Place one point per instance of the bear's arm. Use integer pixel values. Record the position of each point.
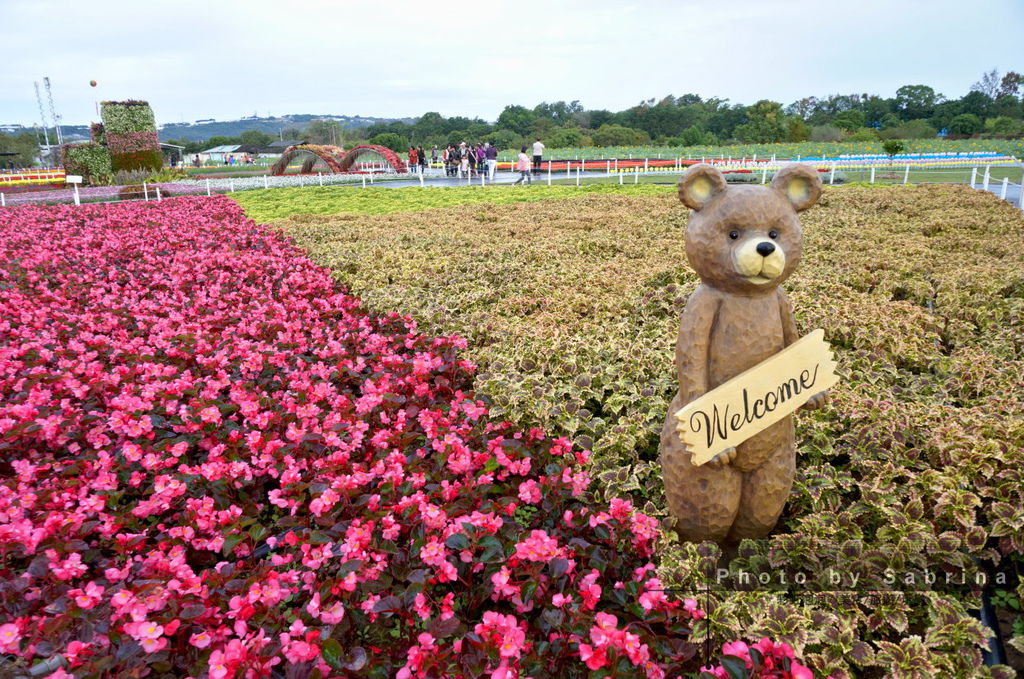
(789, 333)
(694, 339)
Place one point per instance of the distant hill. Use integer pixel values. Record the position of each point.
(204, 129)
(201, 130)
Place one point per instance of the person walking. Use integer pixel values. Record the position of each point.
(481, 159)
(523, 166)
(412, 159)
(433, 155)
(492, 160)
(538, 152)
(422, 155)
(470, 153)
(463, 163)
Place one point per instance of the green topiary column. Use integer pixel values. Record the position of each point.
(131, 135)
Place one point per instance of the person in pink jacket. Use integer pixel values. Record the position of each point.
(523, 167)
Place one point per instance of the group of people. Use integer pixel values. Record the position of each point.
(474, 160)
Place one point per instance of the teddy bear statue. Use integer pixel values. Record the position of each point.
(743, 241)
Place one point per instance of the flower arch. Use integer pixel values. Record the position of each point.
(396, 163)
(331, 155)
(335, 157)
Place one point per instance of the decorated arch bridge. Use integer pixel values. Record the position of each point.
(336, 160)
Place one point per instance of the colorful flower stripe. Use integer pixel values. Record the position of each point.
(216, 462)
(23, 178)
(129, 142)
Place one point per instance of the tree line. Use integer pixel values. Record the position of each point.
(992, 106)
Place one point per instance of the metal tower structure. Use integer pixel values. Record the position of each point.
(42, 115)
(53, 111)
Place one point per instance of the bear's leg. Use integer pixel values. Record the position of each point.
(766, 489)
(703, 499)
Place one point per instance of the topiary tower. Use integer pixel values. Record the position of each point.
(90, 160)
(130, 131)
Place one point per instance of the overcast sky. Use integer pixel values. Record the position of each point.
(226, 59)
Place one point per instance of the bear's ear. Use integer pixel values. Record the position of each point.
(699, 184)
(800, 184)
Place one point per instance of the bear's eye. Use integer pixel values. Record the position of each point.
(773, 234)
(734, 234)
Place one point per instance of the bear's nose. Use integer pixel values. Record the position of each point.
(765, 249)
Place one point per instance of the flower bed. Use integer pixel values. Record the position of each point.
(216, 463)
(571, 308)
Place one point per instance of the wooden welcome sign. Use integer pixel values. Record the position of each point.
(757, 398)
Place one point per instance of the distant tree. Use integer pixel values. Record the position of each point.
(946, 111)
(1010, 84)
(693, 136)
(916, 101)
(849, 120)
(541, 128)
(976, 102)
(558, 112)
(875, 108)
(892, 148)
(988, 85)
(889, 120)
(564, 137)
(291, 132)
(766, 123)
(1003, 125)
(1006, 105)
(504, 139)
(220, 140)
(721, 118)
(430, 124)
(797, 129)
(255, 138)
(965, 123)
(618, 135)
(458, 136)
(24, 144)
(599, 117)
(802, 108)
(519, 119)
(395, 142)
(324, 132)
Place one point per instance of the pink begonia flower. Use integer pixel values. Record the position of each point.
(529, 492)
(218, 665)
(75, 651)
(595, 659)
(691, 607)
(153, 645)
(334, 614)
(738, 649)
(200, 640)
(9, 637)
(798, 671)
